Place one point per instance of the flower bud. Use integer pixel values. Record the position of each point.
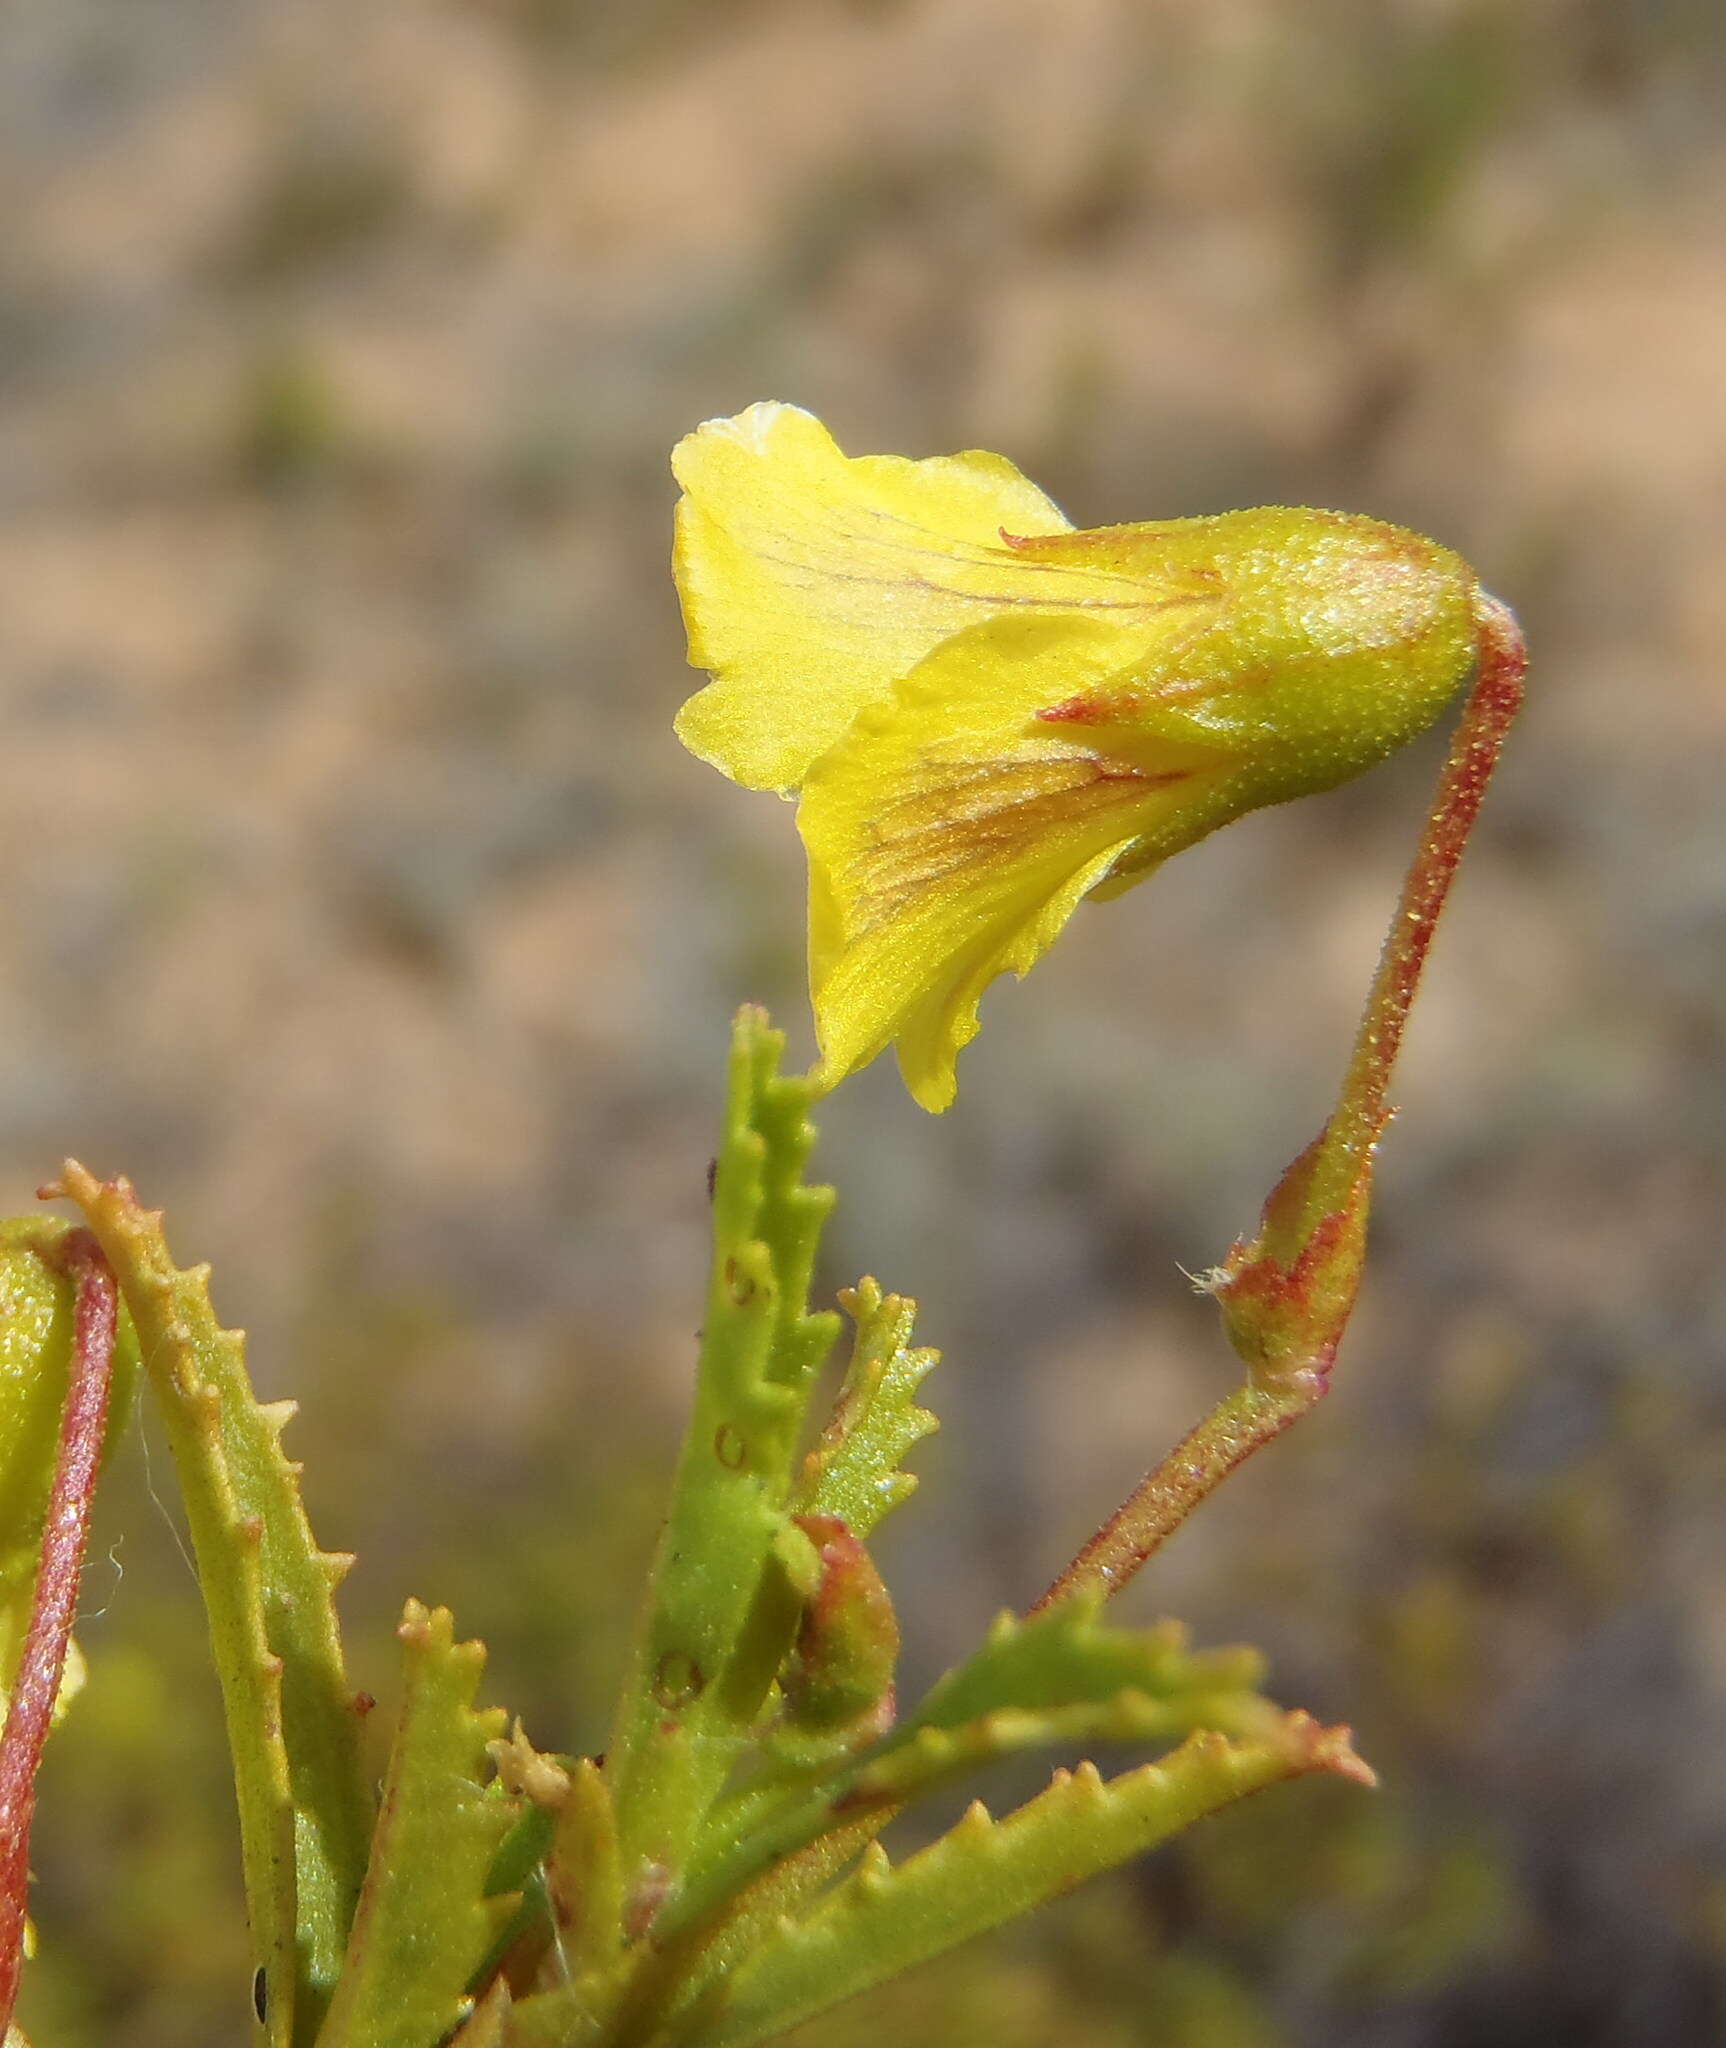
(840, 1676)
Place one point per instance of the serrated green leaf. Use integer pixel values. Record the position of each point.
(585, 1879)
(853, 1471)
(424, 1921)
(792, 1214)
(1067, 1655)
(721, 1609)
(885, 1919)
(675, 1973)
(1062, 1677)
(936, 1756)
(305, 1807)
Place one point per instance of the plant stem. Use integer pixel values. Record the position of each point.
(1487, 716)
(1334, 1175)
(1163, 1499)
(65, 1533)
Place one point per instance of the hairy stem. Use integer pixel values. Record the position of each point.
(1332, 1178)
(64, 1537)
(1492, 705)
(1163, 1499)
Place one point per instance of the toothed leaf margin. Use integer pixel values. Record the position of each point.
(887, 1918)
(305, 1809)
(424, 1923)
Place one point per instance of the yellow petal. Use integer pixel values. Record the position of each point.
(812, 581)
(953, 831)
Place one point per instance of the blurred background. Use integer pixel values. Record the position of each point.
(361, 906)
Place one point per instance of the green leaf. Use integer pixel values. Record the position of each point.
(582, 1902)
(585, 1880)
(853, 1471)
(886, 1918)
(1068, 1655)
(672, 1974)
(518, 1871)
(424, 1922)
(722, 1607)
(1062, 1677)
(293, 1729)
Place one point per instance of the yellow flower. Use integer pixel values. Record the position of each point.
(987, 716)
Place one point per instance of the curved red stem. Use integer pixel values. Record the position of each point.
(64, 1536)
(1333, 1177)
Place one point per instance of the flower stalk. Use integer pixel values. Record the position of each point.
(1286, 1294)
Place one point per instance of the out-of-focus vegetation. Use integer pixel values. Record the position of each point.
(361, 906)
